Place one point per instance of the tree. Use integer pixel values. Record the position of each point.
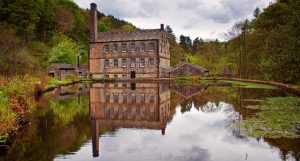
(186, 43)
(64, 52)
(64, 19)
(170, 33)
(14, 59)
(256, 12)
(24, 15)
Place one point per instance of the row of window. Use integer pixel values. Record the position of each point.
(132, 63)
(129, 113)
(132, 98)
(133, 47)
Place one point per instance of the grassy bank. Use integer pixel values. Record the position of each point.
(277, 117)
(18, 99)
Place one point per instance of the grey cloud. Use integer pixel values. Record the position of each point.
(229, 10)
(189, 4)
(129, 9)
(193, 154)
(187, 16)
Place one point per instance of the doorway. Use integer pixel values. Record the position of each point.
(132, 74)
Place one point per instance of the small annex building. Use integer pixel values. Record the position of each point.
(61, 71)
(188, 69)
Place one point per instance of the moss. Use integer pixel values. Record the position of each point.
(250, 85)
(183, 78)
(278, 117)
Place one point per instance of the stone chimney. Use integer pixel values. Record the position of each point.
(162, 27)
(93, 21)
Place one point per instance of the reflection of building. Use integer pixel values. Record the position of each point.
(128, 54)
(128, 105)
(188, 91)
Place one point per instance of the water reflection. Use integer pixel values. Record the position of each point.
(147, 121)
(128, 105)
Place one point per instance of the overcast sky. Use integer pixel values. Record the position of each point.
(208, 19)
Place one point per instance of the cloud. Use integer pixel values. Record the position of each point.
(129, 9)
(188, 17)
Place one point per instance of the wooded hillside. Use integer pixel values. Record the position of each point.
(34, 33)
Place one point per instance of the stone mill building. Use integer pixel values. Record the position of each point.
(128, 54)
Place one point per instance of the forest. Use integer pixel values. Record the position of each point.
(36, 33)
(266, 47)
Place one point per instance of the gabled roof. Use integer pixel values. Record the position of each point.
(192, 65)
(58, 66)
(61, 66)
(149, 34)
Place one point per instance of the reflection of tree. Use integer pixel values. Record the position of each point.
(64, 111)
(209, 100)
(60, 128)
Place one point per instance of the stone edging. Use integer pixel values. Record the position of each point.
(275, 84)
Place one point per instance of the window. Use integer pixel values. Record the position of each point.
(151, 98)
(142, 98)
(151, 62)
(106, 48)
(106, 75)
(116, 63)
(116, 98)
(133, 98)
(107, 97)
(124, 98)
(142, 62)
(115, 47)
(124, 76)
(106, 63)
(142, 47)
(132, 62)
(116, 76)
(124, 85)
(124, 63)
(123, 48)
(151, 46)
(116, 84)
(132, 47)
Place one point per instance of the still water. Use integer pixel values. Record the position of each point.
(147, 122)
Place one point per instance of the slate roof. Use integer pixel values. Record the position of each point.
(58, 66)
(192, 65)
(149, 34)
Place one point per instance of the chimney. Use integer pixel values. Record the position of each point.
(162, 27)
(93, 21)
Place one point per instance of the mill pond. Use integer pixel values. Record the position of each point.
(151, 122)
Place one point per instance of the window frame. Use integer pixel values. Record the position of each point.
(131, 62)
(115, 45)
(132, 46)
(106, 48)
(144, 65)
(116, 63)
(144, 47)
(124, 46)
(150, 46)
(106, 63)
(122, 61)
(149, 64)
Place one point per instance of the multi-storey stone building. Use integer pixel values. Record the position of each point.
(128, 54)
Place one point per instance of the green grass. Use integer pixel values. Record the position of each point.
(54, 81)
(278, 117)
(183, 78)
(249, 85)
